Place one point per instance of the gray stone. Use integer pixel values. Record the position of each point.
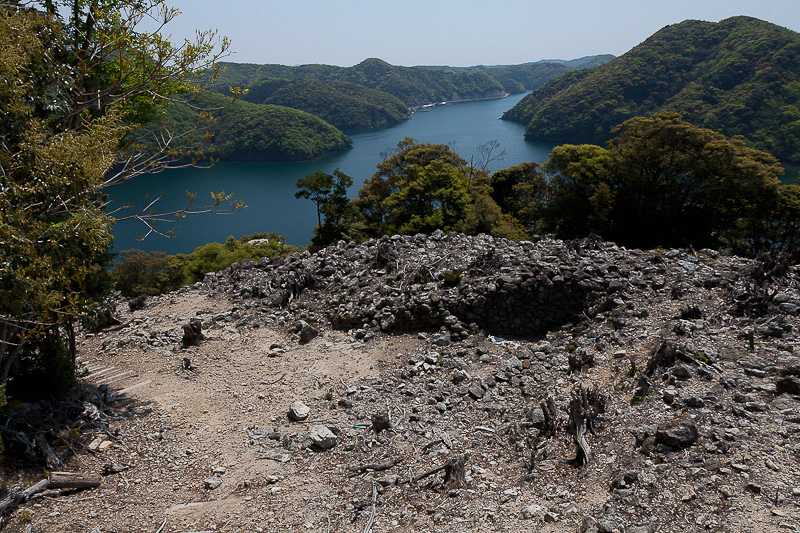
(441, 339)
(679, 432)
(299, 411)
(669, 395)
(323, 437)
(212, 483)
(459, 376)
(695, 401)
(476, 391)
(307, 332)
(531, 511)
(609, 524)
(681, 372)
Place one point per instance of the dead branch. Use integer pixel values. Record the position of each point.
(454, 475)
(368, 528)
(375, 467)
(56, 480)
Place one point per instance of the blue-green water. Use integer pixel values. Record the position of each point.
(268, 188)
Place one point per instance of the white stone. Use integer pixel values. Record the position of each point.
(299, 411)
(323, 437)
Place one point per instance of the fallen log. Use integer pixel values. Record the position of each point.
(12, 500)
(73, 480)
(56, 480)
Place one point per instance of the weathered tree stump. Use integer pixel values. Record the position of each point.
(381, 421)
(550, 417)
(105, 319)
(454, 475)
(579, 359)
(583, 408)
(193, 333)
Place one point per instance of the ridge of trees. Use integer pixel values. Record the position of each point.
(660, 181)
(740, 76)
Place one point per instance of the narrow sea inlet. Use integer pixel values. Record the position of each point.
(268, 188)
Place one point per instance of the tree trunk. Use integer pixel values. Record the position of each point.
(454, 475)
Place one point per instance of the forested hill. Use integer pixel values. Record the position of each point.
(243, 131)
(413, 86)
(740, 76)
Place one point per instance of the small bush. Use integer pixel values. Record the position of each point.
(452, 278)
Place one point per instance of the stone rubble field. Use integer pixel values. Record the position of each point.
(327, 385)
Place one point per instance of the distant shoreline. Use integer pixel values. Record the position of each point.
(447, 102)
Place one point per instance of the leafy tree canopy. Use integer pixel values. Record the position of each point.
(661, 182)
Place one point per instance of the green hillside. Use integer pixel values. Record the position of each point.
(342, 104)
(740, 76)
(244, 131)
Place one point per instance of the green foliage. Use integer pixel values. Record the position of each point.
(152, 273)
(342, 104)
(242, 131)
(739, 76)
(138, 272)
(662, 182)
(72, 97)
(422, 187)
(329, 194)
(522, 191)
(216, 256)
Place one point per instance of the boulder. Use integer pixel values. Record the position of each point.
(299, 411)
(323, 437)
(679, 432)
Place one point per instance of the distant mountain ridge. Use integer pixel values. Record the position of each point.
(740, 76)
(291, 113)
(414, 86)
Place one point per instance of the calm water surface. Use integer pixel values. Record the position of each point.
(268, 188)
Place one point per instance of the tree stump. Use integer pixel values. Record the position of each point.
(193, 333)
(105, 319)
(583, 408)
(381, 421)
(454, 475)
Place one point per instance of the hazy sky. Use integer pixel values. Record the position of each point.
(450, 32)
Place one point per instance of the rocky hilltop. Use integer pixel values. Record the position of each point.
(457, 383)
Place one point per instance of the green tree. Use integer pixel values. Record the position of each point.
(575, 173)
(417, 188)
(523, 192)
(74, 99)
(662, 182)
(329, 194)
(678, 184)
